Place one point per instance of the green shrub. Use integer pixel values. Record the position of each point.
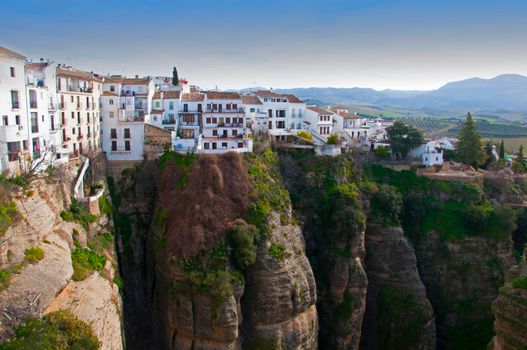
(118, 280)
(305, 135)
(387, 204)
(5, 278)
(520, 282)
(333, 139)
(382, 152)
(100, 242)
(78, 214)
(85, 261)
(105, 207)
(8, 213)
(244, 240)
(33, 255)
(59, 330)
(278, 251)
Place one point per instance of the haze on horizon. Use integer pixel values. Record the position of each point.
(396, 44)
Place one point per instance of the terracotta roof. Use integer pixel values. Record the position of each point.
(293, 99)
(193, 96)
(75, 73)
(157, 111)
(136, 81)
(319, 110)
(219, 95)
(109, 93)
(167, 95)
(118, 79)
(348, 115)
(11, 54)
(36, 66)
(250, 100)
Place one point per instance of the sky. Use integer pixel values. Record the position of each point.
(232, 44)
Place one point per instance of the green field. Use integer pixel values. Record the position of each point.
(512, 144)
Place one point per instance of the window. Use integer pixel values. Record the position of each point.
(214, 145)
(206, 145)
(17, 119)
(5, 120)
(199, 107)
(25, 146)
(32, 99)
(72, 115)
(126, 133)
(240, 144)
(158, 104)
(13, 149)
(235, 106)
(113, 133)
(73, 131)
(171, 105)
(185, 107)
(228, 120)
(114, 145)
(34, 122)
(127, 145)
(214, 132)
(15, 102)
(112, 115)
(208, 120)
(112, 88)
(214, 120)
(12, 71)
(110, 101)
(224, 144)
(251, 110)
(234, 132)
(42, 118)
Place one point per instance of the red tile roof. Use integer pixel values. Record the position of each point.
(157, 111)
(319, 110)
(293, 99)
(220, 95)
(11, 54)
(136, 81)
(79, 74)
(167, 95)
(193, 96)
(290, 97)
(250, 100)
(109, 93)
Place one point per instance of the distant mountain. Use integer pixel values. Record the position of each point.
(506, 92)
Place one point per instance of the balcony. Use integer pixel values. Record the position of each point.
(190, 112)
(10, 132)
(128, 116)
(52, 106)
(168, 122)
(231, 125)
(62, 105)
(74, 88)
(184, 123)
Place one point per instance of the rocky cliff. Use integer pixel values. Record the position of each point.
(398, 312)
(36, 262)
(510, 311)
(215, 260)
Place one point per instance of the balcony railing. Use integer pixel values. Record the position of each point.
(184, 123)
(80, 89)
(168, 122)
(34, 129)
(236, 125)
(52, 106)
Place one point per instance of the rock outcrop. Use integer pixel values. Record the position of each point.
(398, 312)
(510, 311)
(462, 277)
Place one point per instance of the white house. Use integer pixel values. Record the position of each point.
(320, 122)
(78, 95)
(430, 153)
(14, 129)
(189, 118)
(256, 117)
(165, 108)
(224, 125)
(125, 106)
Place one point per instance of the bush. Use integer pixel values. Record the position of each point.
(332, 139)
(387, 204)
(382, 152)
(8, 214)
(78, 214)
(305, 135)
(520, 282)
(33, 255)
(5, 278)
(278, 251)
(243, 239)
(58, 330)
(85, 261)
(105, 207)
(100, 242)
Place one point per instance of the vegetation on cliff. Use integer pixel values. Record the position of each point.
(59, 330)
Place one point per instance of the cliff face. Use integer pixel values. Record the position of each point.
(329, 206)
(37, 285)
(186, 274)
(398, 313)
(510, 311)
(462, 277)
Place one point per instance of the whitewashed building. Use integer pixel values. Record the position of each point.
(320, 122)
(14, 128)
(223, 124)
(189, 119)
(78, 94)
(165, 108)
(125, 107)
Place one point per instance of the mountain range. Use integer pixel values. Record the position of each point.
(502, 94)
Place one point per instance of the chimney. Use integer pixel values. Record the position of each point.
(137, 76)
(41, 59)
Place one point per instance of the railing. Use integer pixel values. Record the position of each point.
(237, 125)
(52, 106)
(168, 122)
(34, 129)
(62, 105)
(184, 123)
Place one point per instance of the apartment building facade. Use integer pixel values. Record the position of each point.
(224, 125)
(78, 96)
(14, 145)
(320, 121)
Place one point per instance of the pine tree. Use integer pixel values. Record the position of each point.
(520, 155)
(469, 149)
(175, 77)
(502, 150)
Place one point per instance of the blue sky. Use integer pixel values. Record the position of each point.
(398, 44)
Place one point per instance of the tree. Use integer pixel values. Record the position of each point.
(469, 149)
(502, 150)
(403, 138)
(175, 77)
(520, 155)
